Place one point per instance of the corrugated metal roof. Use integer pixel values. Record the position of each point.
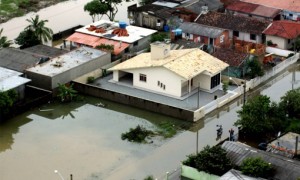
(185, 62)
(202, 30)
(285, 168)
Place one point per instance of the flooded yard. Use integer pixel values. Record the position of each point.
(78, 138)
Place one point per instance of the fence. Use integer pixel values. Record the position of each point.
(275, 70)
(240, 89)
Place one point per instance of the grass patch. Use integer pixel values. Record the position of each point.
(166, 129)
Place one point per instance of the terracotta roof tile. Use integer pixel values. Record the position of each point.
(284, 28)
(231, 57)
(233, 22)
(291, 5)
(254, 9)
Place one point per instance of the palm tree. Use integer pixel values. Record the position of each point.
(38, 27)
(3, 40)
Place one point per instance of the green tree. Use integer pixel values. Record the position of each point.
(66, 93)
(3, 40)
(27, 38)
(255, 68)
(7, 99)
(96, 8)
(107, 7)
(37, 26)
(257, 167)
(290, 102)
(211, 160)
(259, 116)
(159, 37)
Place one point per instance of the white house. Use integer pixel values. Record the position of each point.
(174, 73)
(282, 33)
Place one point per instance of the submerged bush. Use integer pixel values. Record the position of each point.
(137, 134)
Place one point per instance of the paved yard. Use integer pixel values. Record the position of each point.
(189, 102)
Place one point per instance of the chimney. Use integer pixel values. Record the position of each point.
(160, 50)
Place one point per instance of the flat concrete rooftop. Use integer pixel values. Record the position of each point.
(67, 61)
(135, 33)
(10, 79)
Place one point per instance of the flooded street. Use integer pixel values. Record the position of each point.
(84, 140)
(61, 16)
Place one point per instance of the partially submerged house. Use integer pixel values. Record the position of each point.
(205, 34)
(67, 67)
(243, 28)
(172, 73)
(282, 33)
(102, 33)
(290, 8)
(253, 10)
(12, 80)
(235, 59)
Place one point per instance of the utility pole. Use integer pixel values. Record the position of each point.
(244, 92)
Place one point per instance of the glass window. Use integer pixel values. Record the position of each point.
(236, 33)
(143, 77)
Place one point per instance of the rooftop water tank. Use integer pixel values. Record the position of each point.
(177, 32)
(122, 25)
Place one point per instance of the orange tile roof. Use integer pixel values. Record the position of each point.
(284, 28)
(94, 41)
(291, 5)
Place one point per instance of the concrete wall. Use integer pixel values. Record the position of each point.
(279, 52)
(39, 80)
(74, 73)
(135, 102)
(243, 36)
(282, 43)
(171, 81)
(50, 83)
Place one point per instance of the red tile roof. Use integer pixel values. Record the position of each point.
(284, 28)
(233, 22)
(94, 41)
(254, 9)
(231, 57)
(291, 5)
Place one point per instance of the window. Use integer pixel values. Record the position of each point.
(135, 43)
(222, 38)
(291, 15)
(158, 21)
(253, 36)
(143, 77)
(164, 87)
(215, 81)
(158, 83)
(236, 33)
(289, 41)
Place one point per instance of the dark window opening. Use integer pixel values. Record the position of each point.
(215, 81)
(236, 33)
(143, 77)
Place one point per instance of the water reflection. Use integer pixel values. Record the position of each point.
(7, 132)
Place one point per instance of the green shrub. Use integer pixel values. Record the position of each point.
(137, 134)
(211, 160)
(257, 167)
(90, 79)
